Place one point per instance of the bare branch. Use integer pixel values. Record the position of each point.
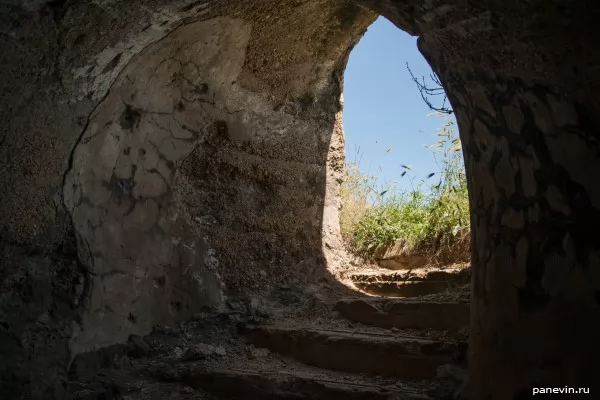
(428, 91)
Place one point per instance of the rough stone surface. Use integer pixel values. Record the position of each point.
(402, 262)
(41, 297)
(203, 351)
(397, 256)
(193, 149)
(397, 313)
(401, 357)
(534, 309)
(224, 363)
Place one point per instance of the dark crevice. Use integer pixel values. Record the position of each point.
(130, 118)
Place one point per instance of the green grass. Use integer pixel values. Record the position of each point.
(431, 219)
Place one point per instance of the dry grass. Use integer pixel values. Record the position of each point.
(355, 194)
(431, 220)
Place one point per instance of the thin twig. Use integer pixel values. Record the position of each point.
(427, 91)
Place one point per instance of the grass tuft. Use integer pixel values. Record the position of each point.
(431, 220)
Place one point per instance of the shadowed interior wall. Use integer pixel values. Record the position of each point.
(158, 156)
(521, 80)
(186, 182)
(180, 156)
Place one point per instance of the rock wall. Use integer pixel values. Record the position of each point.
(527, 112)
(186, 182)
(158, 156)
(150, 260)
(178, 147)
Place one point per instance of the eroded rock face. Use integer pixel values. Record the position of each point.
(183, 151)
(186, 181)
(523, 118)
(193, 149)
(151, 260)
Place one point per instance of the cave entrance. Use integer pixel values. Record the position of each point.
(527, 127)
(207, 167)
(404, 217)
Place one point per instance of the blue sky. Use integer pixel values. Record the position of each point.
(383, 108)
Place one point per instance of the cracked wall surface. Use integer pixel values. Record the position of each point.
(161, 155)
(150, 261)
(186, 182)
(166, 155)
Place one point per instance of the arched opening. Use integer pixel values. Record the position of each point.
(205, 136)
(405, 212)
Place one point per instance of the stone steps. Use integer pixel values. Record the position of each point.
(295, 385)
(412, 275)
(403, 289)
(371, 353)
(413, 283)
(303, 362)
(258, 380)
(307, 358)
(402, 314)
